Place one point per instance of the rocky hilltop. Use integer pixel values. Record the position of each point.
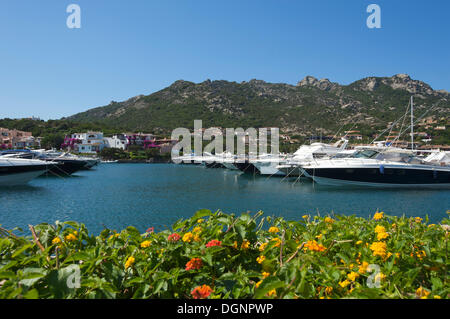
(301, 109)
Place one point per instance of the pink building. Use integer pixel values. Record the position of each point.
(15, 139)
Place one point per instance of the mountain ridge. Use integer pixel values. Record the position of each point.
(302, 108)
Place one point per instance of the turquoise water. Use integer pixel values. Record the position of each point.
(145, 195)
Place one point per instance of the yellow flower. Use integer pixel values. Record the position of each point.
(437, 297)
(381, 232)
(380, 229)
(381, 236)
(130, 261)
(380, 276)
(263, 246)
(352, 276)
(245, 244)
(328, 290)
(196, 237)
(359, 242)
(418, 219)
(305, 216)
(421, 254)
(378, 216)
(56, 240)
(422, 292)
(258, 284)
(260, 259)
(188, 237)
(114, 236)
(265, 274)
(199, 221)
(235, 245)
(363, 268)
(329, 220)
(146, 244)
(344, 283)
(271, 293)
(71, 237)
(319, 236)
(274, 230)
(277, 242)
(378, 248)
(197, 230)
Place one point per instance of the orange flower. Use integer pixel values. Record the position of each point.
(314, 246)
(277, 242)
(194, 263)
(201, 292)
(245, 244)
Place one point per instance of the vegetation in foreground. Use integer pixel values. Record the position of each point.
(217, 255)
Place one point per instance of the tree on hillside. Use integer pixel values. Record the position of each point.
(52, 141)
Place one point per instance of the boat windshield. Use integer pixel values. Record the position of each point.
(365, 154)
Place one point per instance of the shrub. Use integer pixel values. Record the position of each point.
(218, 255)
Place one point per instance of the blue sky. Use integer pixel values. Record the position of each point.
(126, 48)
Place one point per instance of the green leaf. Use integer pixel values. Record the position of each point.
(201, 213)
(21, 250)
(267, 285)
(7, 275)
(31, 294)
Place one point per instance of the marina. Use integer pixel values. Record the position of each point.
(227, 151)
(157, 195)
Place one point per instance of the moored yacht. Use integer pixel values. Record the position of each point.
(388, 168)
(66, 164)
(308, 153)
(18, 171)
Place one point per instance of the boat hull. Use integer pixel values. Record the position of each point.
(18, 175)
(66, 167)
(292, 171)
(214, 165)
(388, 177)
(229, 165)
(268, 168)
(247, 168)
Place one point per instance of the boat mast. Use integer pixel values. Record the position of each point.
(412, 124)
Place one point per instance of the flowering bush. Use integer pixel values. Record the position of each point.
(217, 255)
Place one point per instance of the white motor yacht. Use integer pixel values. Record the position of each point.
(18, 171)
(387, 168)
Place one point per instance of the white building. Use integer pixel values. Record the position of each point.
(117, 141)
(91, 142)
